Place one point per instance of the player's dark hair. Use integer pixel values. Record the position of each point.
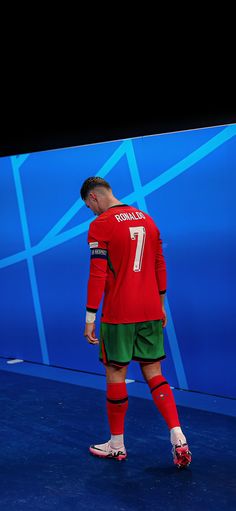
(91, 183)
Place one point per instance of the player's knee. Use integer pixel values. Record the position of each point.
(150, 370)
(115, 374)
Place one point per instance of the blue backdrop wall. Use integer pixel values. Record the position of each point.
(186, 181)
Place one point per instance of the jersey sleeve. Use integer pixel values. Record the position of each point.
(97, 239)
(160, 266)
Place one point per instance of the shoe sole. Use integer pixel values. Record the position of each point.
(119, 457)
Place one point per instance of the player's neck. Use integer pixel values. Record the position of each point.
(112, 202)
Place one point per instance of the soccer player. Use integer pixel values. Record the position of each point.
(128, 267)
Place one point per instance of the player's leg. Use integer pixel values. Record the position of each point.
(115, 352)
(149, 351)
(161, 393)
(117, 405)
(164, 399)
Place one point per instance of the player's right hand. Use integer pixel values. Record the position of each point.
(90, 334)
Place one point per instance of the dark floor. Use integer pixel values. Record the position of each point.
(47, 426)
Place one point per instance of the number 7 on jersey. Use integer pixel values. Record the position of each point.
(140, 234)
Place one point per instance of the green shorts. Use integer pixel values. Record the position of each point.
(119, 344)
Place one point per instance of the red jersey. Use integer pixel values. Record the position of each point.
(127, 265)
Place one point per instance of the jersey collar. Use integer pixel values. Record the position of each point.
(119, 206)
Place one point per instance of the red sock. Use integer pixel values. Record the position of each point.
(164, 400)
(117, 405)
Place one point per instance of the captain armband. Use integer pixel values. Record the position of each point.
(98, 253)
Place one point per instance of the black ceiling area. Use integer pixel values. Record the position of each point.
(38, 131)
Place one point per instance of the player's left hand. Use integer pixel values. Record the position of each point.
(90, 334)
